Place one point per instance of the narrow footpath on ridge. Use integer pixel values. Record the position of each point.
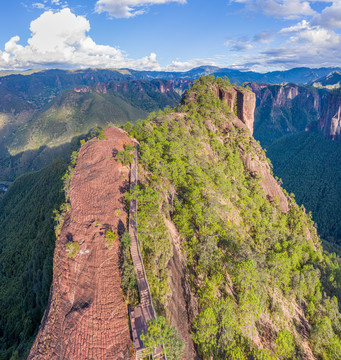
(143, 312)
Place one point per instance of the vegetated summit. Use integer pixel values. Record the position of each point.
(41, 111)
(254, 281)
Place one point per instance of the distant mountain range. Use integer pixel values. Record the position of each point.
(300, 75)
(42, 110)
(41, 113)
(331, 81)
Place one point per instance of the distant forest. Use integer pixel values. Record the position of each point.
(309, 166)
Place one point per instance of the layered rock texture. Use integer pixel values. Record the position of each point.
(287, 109)
(86, 316)
(242, 101)
(330, 123)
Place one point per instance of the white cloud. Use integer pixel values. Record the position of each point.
(265, 37)
(315, 36)
(38, 5)
(60, 39)
(304, 44)
(330, 16)
(128, 8)
(314, 41)
(287, 9)
(178, 65)
(238, 45)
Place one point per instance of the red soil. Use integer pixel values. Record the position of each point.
(87, 317)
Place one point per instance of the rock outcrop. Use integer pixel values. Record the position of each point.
(268, 183)
(182, 304)
(241, 100)
(290, 108)
(86, 317)
(330, 123)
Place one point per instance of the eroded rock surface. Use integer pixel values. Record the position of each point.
(182, 304)
(242, 101)
(86, 318)
(271, 188)
(330, 123)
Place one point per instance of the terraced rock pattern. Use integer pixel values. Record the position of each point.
(86, 317)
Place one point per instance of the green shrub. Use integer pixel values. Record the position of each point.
(129, 278)
(129, 147)
(125, 157)
(160, 332)
(72, 249)
(101, 135)
(284, 345)
(110, 238)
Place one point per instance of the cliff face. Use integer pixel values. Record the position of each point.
(136, 86)
(242, 101)
(286, 109)
(330, 123)
(86, 317)
(290, 108)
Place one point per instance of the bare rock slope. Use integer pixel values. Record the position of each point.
(86, 317)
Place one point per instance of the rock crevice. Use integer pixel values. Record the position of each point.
(242, 102)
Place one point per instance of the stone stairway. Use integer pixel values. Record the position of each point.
(142, 313)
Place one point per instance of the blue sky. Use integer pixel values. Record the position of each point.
(172, 35)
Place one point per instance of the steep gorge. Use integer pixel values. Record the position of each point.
(289, 108)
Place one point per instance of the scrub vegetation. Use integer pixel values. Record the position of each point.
(260, 275)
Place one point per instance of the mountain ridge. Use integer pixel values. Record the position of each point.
(241, 260)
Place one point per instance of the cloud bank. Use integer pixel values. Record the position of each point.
(312, 40)
(61, 39)
(128, 8)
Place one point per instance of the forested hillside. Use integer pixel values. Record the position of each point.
(309, 166)
(258, 285)
(42, 115)
(27, 240)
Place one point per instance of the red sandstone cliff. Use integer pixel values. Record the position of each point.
(244, 101)
(290, 108)
(330, 123)
(86, 317)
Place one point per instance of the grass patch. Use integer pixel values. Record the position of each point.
(110, 238)
(72, 248)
